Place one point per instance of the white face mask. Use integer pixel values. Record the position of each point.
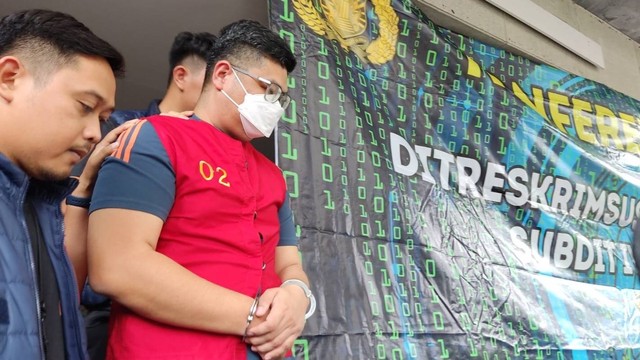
(259, 117)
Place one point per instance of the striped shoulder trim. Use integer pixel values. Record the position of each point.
(127, 139)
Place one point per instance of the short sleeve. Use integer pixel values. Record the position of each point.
(287, 226)
(139, 175)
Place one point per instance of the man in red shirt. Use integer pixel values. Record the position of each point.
(184, 228)
(187, 65)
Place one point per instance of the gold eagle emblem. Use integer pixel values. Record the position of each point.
(346, 22)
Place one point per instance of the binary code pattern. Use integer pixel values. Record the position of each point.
(415, 267)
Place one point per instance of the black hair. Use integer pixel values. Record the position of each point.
(187, 44)
(52, 39)
(248, 41)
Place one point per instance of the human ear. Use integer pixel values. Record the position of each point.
(179, 74)
(10, 70)
(220, 73)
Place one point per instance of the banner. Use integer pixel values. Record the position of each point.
(454, 200)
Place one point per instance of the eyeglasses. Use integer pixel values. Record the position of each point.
(274, 91)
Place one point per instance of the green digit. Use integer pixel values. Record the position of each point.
(326, 150)
(378, 204)
(402, 91)
(324, 99)
(438, 320)
(291, 110)
(293, 190)
(431, 268)
(386, 281)
(389, 304)
(323, 70)
(405, 27)
(324, 120)
(375, 309)
(291, 153)
(330, 203)
(443, 348)
(304, 345)
(364, 229)
(431, 57)
(382, 252)
(327, 173)
(396, 354)
(323, 48)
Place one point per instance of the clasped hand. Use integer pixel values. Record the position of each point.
(278, 323)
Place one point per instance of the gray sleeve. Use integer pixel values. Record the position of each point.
(139, 176)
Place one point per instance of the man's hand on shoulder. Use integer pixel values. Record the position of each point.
(181, 115)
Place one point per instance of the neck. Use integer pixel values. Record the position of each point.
(217, 113)
(209, 113)
(172, 102)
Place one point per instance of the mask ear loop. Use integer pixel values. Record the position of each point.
(240, 82)
(241, 85)
(229, 97)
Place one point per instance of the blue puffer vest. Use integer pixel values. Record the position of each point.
(19, 318)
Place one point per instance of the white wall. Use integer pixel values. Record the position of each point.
(479, 19)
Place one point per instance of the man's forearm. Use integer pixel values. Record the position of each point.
(124, 264)
(156, 287)
(75, 241)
